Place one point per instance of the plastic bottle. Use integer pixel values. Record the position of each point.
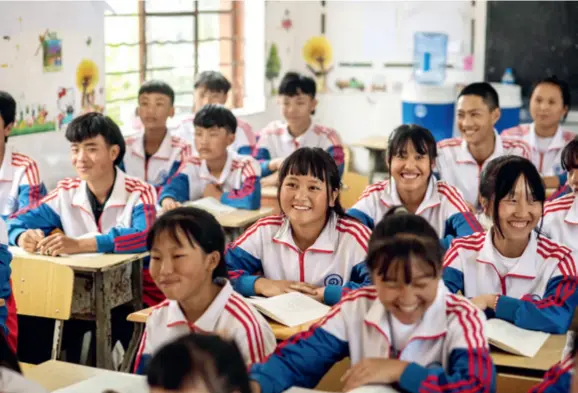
(430, 57)
(508, 77)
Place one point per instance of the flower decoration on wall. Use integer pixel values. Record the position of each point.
(87, 76)
(318, 54)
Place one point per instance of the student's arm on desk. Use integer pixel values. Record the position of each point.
(42, 217)
(306, 358)
(30, 195)
(248, 197)
(360, 277)
(243, 265)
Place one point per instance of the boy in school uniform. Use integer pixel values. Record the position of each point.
(211, 87)
(102, 210)
(216, 171)
(20, 184)
(281, 138)
(461, 160)
(155, 155)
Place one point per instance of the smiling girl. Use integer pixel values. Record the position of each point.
(511, 271)
(406, 330)
(411, 156)
(313, 247)
(186, 247)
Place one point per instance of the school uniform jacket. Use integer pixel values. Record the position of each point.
(562, 191)
(239, 181)
(229, 315)
(14, 382)
(558, 379)
(20, 184)
(8, 316)
(561, 220)
(172, 152)
(548, 163)
(443, 207)
(448, 351)
(245, 138)
(456, 166)
(275, 141)
(539, 292)
(335, 261)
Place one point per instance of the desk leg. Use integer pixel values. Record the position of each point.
(103, 324)
(138, 328)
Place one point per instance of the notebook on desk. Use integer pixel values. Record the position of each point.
(513, 339)
(290, 309)
(211, 205)
(109, 381)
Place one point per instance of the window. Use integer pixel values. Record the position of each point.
(173, 41)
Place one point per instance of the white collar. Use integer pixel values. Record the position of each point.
(557, 142)
(526, 266)
(326, 242)
(431, 199)
(464, 155)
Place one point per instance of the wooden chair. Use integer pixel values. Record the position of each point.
(353, 183)
(43, 289)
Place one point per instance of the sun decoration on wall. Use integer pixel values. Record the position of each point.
(318, 54)
(87, 75)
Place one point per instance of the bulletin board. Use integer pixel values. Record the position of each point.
(52, 61)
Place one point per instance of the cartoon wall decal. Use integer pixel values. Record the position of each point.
(318, 54)
(273, 67)
(51, 51)
(286, 22)
(65, 104)
(87, 76)
(31, 118)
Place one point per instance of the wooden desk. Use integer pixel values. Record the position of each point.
(239, 219)
(549, 354)
(100, 284)
(377, 146)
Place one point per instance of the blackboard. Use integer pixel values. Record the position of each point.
(536, 39)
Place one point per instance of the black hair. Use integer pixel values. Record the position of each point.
(7, 108)
(421, 138)
(8, 358)
(318, 163)
(199, 226)
(507, 175)
(569, 155)
(484, 90)
(91, 125)
(215, 361)
(216, 115)
(399, 237)
(156, 86)
(488, 176)
(562, 85)
(212, 81)
(294, 84)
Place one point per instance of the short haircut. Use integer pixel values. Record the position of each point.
(488, 176)
(399, 237)
(318, 163)
(216, 115)
(569, 155)
(484, 90)
(91, 125)
(420, 137)
(562, 85)
(294, 84)
(505, 183)
(212, 81)
(7, 108)
(199, 227)
(160, 87)
(199, 357)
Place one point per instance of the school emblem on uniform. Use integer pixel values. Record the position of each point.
(333, 279)
(11, 205)
(532, 297)
(558, 170)
(420, 111)
(163, 175)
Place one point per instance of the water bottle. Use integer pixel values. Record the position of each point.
(430, 56)
(508, 77)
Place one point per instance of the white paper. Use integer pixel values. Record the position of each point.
(19, 252)
(211, 205)
(513, 339)
(118, 382)
(290, 309)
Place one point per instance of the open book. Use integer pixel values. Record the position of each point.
(211, 205)
(513, 339)
(290, 309)
(109, 381)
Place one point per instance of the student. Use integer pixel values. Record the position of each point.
(186, 246)
(561, 378)
(216, 172)
(512, 272)
(154, 155)
(20, 184)
(549, 104)
(406, 330)
(201, 363)
(313, 247)
(8, 317)
(102, 210)
(460, 161)
(281, 138)
(411, 155)
(211, 87)
(487, 183)
(11, 378)
(561, 214)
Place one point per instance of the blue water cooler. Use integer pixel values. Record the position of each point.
(429, 106)
(510, 105)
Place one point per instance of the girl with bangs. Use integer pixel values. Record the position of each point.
(313, 247)
(411, 155)
(407, 330)
(513, 272)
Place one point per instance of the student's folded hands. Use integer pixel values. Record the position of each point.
(29, 239)
(269, 288)
(373, 371)
(57, 244)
